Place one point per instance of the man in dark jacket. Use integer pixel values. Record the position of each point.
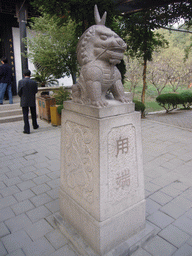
(26, 90)
(5, 80)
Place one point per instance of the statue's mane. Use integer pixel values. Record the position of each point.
(84, 52)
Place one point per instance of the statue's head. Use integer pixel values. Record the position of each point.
(100, 43)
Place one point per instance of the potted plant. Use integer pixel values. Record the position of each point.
(61, 95)
(45, 79)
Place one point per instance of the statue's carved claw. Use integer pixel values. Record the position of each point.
(123, 99)
(99, 103)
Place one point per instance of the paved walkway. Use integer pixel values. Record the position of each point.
(29, 182)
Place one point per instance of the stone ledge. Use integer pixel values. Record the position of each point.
(127, 247)
(114, 108)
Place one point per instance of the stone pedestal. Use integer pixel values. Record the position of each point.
(102, 186)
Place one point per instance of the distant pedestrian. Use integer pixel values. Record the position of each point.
(27, 89)
(5, 80)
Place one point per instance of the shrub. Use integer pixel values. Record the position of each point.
(139, 106)
(186, 98)
(59, 109)
(169, 101)
(61, 95)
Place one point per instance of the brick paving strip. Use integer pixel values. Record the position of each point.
(29, 182)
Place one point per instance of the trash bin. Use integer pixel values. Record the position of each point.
(44, 103)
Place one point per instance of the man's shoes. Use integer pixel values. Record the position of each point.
(36, 127)
(26, 132)
(1, 103)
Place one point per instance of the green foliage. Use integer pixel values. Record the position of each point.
(139, 106)
(169, 101)
(61, 95)
(81, 11)
(186, 98)
(122, 68)
(52, 45)
(44, 78)
(59, 109)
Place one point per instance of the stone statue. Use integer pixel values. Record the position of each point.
(98, 51)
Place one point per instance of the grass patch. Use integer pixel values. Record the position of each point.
(150, 96)
(152, 106)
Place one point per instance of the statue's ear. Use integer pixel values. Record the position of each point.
(98, 20)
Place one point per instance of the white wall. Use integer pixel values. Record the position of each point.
(66, 81)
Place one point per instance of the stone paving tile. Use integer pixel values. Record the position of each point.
(151, 206)
(53, 206)
(18, 252)
(26, 185)
(2, 249)
(12, 174)
(54, 183)
(41, 199)
(56, 239)
(24, 195)
(54, 193)
(42, 171)
(6, 213)
(185, 250)
(42, 179)
(185, 224)
(160, 219)
(38, 229)
(40, 189)
(141, 252)
(173, 210)
(161, 198)
(16, 223)
(158, 247)
(12, 181)
(9, 191)
(39, 248)
(7, 201)
(16, 240)
(169, 190)
(2, 185)
(190, 241)
(28, 176)
(22, 207)
(38, 213)
(3, 230)
(65, 250)
(174, 235)
(152, 187)
(163, 145)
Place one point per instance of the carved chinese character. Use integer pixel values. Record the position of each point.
(122, 145)
(123, 179)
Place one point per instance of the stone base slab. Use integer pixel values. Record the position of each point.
(102, 236)
(127, 247)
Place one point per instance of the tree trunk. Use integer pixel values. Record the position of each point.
(144, 81)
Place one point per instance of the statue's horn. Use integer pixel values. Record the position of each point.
(98, 20)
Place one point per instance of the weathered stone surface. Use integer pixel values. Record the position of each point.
(102, 187)
(98, 51)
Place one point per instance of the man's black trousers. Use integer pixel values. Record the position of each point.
(26, 118)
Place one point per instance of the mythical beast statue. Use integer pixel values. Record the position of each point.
(98, 51)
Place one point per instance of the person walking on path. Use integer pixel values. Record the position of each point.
(27, 89)
(5, 80)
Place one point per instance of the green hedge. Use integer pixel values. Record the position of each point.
(186, 98)
(170, 101)
(139, 106)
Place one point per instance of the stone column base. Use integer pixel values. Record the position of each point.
(127, 247)
(102, 184)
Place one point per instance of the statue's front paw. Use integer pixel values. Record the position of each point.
(123, 99)
(99, 103)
